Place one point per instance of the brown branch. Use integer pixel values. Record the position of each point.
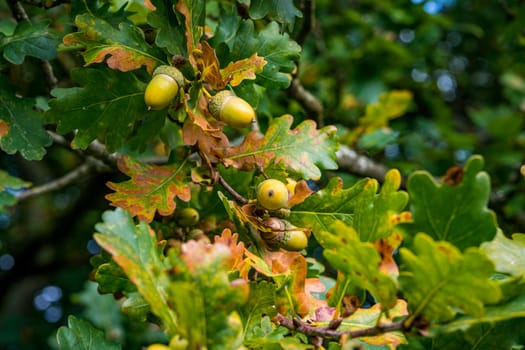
(73, 176)
(307, 100)
(239, 198)
(312, 331)
(349, 160)
(308, 7)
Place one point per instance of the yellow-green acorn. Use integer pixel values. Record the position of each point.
(231, 109)
(163, 87)
(280, 233)
(272, 194)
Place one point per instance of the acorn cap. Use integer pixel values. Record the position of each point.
(171, 72)
(216, 102)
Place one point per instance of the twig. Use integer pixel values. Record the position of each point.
(239, 198)
(308, 15)
(307, 100)
(326, 333)
(81, 171)
(96, 149)
(351, 161)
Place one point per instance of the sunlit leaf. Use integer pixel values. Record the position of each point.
(108, 114)
(325, 207)
(29, 39)
(151, 188)
(507, 254)
(454, 213)
(368, 318)
(125, 45)
(304, 150)
(438, 280)
(81, 335)
(360, 260)
(390, 105)
(236, 72)
(136, 251)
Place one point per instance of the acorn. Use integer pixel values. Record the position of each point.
(163, 87)
(231, 109)
(272, 194)
(280, 233)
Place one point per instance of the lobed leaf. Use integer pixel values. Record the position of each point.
(507, 254)
(12, 182)
(438, 280)
(109, 113)
(21, 126)
(283, 11)
(247, 68)
(151, 188)
(454, 213)
(29, 39)
(136, 251)
(390, 105)
(170, 32)
(333, 203)
(194, 12)
(279, 51)
(125, 45)
(81, 335)
(304, 150)
(260, 302)
(360, 260)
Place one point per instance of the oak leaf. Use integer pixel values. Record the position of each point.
(304, 150)
(151, 188)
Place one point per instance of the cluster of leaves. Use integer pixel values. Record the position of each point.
(432, 258)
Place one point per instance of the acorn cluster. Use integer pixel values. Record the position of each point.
(166, 83)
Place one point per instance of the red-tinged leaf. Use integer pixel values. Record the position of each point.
(304, 150)
(125, 45)
(193, 12)
(151, 188)
(237, 71)
(386, 247)
(4, 128)
(288, 270)
(208, 64)
(300, 193)
(236, 260)
(199, 131)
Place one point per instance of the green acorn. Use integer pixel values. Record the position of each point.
(163, 87)
(231, 109)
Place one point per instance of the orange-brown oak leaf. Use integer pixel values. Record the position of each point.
(236, 72)
(151, 188)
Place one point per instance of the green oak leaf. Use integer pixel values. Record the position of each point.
(374, 212)
(279, 51)
(21, 126)
(136, 250)
(325, 207)
(107, 107)
(438, 280)
(170, 34)
(29, 39)
(126, 47)
(102, 11)
(304, 150)
(360, 260)
(7, 184)
(260, 302)
(81, 335)
(507, 254)
(12, 182)
(457, 214)
(283, 11)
